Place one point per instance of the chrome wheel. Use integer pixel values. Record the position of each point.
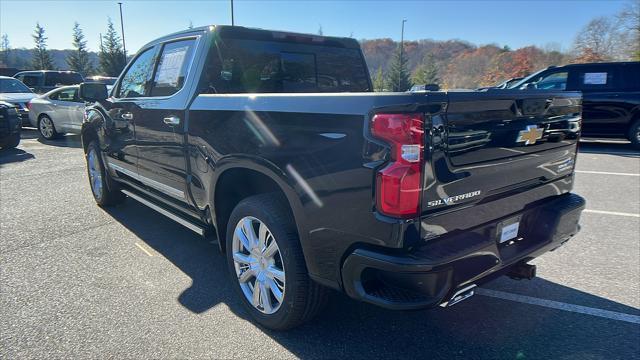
(46, 127)
(258, 264)
(95, 176)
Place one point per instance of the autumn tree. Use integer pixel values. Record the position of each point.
(398, 74)
(629, 23)
(427, 72)
(79, 60)
(111, 55)
(599, 38)
(41, 58)
(378, 81)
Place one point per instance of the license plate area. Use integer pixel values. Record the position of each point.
(507, 231)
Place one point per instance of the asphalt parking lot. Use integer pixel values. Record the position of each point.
(79, 281)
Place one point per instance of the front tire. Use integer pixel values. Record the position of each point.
(267, 266)
(11, 142)
(105, 191)
(634, 134)
(46, 128)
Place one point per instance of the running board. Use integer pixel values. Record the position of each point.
(182, 221)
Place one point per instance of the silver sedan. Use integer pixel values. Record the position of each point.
(57, 112)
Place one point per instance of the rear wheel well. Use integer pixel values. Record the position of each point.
(235, 185)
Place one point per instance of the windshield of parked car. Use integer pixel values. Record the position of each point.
(13, 86)
(526, 80)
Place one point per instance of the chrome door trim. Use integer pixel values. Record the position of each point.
(165, 189)
(188, 224)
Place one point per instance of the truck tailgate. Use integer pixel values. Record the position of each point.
(489, 146)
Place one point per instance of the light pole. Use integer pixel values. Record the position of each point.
(124, 46)
(401, 49)
(232, 13)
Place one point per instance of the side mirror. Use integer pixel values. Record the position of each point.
(93, 92)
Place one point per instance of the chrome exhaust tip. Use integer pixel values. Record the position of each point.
(460, 295)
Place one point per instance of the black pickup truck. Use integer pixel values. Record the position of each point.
(275, 144)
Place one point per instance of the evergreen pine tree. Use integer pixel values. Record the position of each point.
(5, 50)
(79, 59)
(41, 58)
(378, 80)
(111, 54)
(398, 74)
(427, 72)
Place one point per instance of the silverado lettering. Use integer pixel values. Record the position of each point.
(451, 200)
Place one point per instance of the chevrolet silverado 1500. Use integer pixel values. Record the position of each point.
(275, 144)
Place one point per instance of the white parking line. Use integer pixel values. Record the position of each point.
(143, 249)
(605, 173)
(634, 319)
(612, 213)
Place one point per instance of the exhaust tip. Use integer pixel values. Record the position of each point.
(460, 295)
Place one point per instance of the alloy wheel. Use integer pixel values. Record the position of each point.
(46, 127)
(95, 176)
(258, 264)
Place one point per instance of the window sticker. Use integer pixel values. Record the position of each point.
(599, 78)
(170, 65)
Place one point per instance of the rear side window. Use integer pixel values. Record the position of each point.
(30, 80)
(631, 79)
(595, 79)
(172, 68)
(134, 81)
(57, 79)
(70, 95)
(250, 66)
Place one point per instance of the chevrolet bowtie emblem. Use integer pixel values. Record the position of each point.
(530, 135)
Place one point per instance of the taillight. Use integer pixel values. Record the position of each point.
(29, 105)
(398, 183)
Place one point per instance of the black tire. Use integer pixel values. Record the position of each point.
(634, 134)
(41, 121)
(11, 141)
(110, 193)
(303, 298)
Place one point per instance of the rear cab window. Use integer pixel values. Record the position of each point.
(262, 66)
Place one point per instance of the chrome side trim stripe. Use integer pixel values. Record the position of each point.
(188, 224)
(173, 192)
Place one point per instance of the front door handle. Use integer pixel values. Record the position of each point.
(172, 120)
(127, 116)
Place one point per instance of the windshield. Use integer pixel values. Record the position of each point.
(518, 84)
(13, 86)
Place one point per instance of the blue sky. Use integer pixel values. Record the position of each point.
(512, 23)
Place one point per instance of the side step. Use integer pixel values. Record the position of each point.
(180, 220)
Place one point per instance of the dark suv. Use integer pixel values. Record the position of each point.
(42, 81)
(611, 95)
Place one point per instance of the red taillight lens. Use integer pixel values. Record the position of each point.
(398, 184)
(29, 105)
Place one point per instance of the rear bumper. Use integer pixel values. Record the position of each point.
(431, 274)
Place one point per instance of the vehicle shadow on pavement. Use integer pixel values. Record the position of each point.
(69, 141)
(14, 155)
(611, 148)
(481, 327)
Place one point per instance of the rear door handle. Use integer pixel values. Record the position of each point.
(172, 120)
(127, 116)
